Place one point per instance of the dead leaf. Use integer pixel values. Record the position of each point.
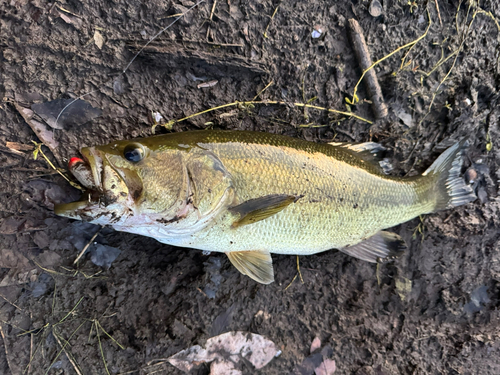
(47, 193)
(18, 147)
(98, 39)
(69, 17)
(10, 258)
(12, 225)
(229, 347)
(103, 255)
(327, 367)
(48, 259)
(14, 277)
(41, 130)
(318, 363)
(27, 98)
(222, 322)
(207, 84)
(224, 368)
(61, 113)
(315, 345)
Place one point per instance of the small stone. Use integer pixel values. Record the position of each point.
(375, 8)
(470, 176)
(157, 117)
(479, 298)
(317, 32)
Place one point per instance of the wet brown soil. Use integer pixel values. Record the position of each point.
(433, 311)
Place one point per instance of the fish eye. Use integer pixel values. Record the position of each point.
(134, 152)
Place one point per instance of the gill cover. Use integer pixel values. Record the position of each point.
(136, 184)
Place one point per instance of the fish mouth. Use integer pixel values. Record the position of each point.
(97, 204)
(91, 175)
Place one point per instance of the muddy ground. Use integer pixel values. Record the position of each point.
(433, 311)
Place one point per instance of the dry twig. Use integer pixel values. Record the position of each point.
(411, 44)
(211, 17)
(7, 356)
(438, 12)
(365, 61)
(68, 354)
(86, 246)
(271, 20)
(168, 125)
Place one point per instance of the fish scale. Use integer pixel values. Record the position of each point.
(337, 207)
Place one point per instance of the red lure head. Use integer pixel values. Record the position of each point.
(74, 161)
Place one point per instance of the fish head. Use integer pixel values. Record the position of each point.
(128, 183)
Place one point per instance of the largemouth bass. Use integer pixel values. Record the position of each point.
(250, 194)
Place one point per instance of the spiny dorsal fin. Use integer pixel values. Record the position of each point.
(380, 247)
(258, 265)
(258, 209)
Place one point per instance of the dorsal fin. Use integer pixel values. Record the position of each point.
(371, 147)
(370, 152)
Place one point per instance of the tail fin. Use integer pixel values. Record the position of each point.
(449, 187)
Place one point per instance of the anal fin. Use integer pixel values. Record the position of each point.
(258, 265)
(382, 246)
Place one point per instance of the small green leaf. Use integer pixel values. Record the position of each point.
(489, 144)
(403, 287)
(38, 146)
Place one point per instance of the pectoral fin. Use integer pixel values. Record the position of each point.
(258, 209)
(382, 246)
(257, 265)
